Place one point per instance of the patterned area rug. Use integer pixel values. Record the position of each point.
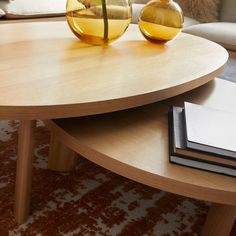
(91, 200)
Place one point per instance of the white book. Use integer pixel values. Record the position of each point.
(210, 130)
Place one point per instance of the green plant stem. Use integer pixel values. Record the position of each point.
(105, 20)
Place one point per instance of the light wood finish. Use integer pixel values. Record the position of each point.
(220, 220)
(134, 144)
(48, 73)
(24, 171)
(60, 158)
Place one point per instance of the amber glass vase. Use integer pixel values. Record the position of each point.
(98, 21)
(161, 20)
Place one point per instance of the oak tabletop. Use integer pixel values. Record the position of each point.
(46, 72)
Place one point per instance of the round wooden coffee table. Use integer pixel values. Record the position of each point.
(47, 73)
(134, 144)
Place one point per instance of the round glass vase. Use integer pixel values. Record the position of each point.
(98, 22)
(161, 20)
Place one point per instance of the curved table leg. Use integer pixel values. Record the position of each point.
(61, 158)
(24, 170)
(220, 220)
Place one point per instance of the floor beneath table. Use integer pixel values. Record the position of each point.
(90, 200)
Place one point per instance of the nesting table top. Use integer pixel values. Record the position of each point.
(45, 72)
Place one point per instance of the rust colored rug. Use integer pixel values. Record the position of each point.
(90, 200)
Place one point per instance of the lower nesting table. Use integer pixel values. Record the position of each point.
(134, 144)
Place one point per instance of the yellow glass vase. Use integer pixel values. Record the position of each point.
(98, 21)
(161, 20)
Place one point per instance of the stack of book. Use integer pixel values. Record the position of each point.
(203, 138)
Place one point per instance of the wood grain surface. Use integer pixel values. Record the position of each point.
(45, 72)
(134, 144)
